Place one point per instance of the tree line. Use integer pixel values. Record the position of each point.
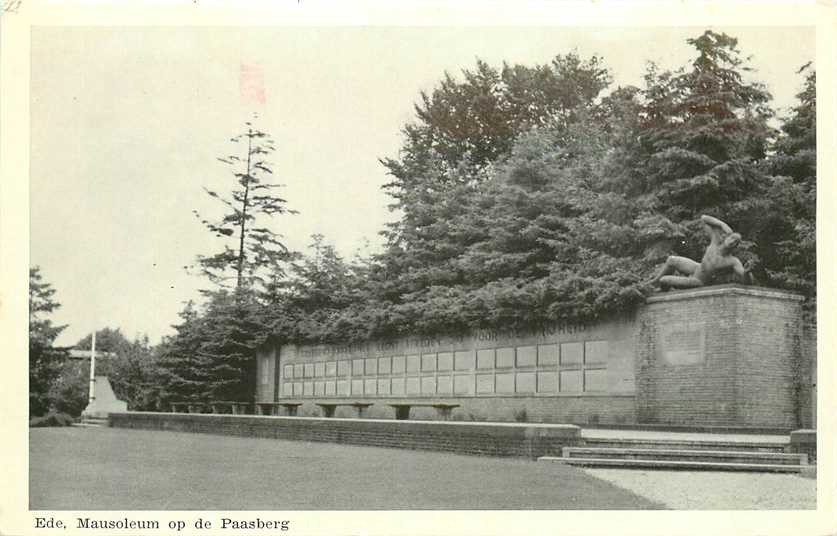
(526, 196)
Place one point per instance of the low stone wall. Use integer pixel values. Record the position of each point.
(486, 439)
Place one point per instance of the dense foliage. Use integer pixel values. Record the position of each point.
(528, 196)
(45, 360)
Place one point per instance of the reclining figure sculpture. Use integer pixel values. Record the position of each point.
(717, 258)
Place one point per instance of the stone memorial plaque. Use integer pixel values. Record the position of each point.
(370, 387)
(308, 389)
(309, 370)
(505, 357)
(413, 363)
(398, 386)
(288, 371)
(464, 360)
(682, 343)
(398, 365)
(298, 370)
(428, 385)
(445, 361)
(547, 382)
(526, 356)
(595, 352)
(463, 384)
(571, 381)
(572, 353)
(384, 365)
(344, 368)
(485, 383)
(505, 383)
(357, 367)
(413, 386)
(595, 380)
(547, 355)
(331, 368)
(383, 387)
(357, 387)
(297, 388)
(331, 388)
(444, 385)
(485, 359)
(525, 382)
(319, 369)
(287, 389)
(428, 362)
(371, 367)
(319, 389)
(343, 388)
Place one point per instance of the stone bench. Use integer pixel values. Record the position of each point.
(402, 409)
(230, 407)
(187, 407)
(330, 407)
(271, 408)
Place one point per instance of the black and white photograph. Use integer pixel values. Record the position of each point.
(287, 266)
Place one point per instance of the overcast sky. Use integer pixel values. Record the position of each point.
(126, 125)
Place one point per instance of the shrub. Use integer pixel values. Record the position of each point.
(51, 419)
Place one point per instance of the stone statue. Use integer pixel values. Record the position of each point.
(717, 258)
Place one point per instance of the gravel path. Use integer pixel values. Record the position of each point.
(711, 490)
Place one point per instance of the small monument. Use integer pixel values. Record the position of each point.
(104, 401)
(718, 258)
(101, 401)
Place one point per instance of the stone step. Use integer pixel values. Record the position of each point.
(723, 456)
(674, 464)
(93, 421)
(683, 444)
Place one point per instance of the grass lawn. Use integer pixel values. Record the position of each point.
(119, 469)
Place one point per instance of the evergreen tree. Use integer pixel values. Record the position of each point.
(703, 134)
(787, 243)
(45, 360)
(180, 372)
(463, 129)
(232, 330)
(257, 252)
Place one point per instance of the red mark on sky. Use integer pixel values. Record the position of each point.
(251, 84)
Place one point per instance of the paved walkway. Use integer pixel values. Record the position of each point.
(606, 433)
(716, 490)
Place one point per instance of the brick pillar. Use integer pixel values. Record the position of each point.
(725, 355)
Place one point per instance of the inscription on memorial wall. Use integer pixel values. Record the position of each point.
(568, 358)
(683, 344)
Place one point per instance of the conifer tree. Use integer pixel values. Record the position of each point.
(232, 328)
(256, 253)
(703, 133)
(181, 373)
(45, 360)
(787, 241)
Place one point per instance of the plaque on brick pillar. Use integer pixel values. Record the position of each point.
(722, 355)
(682, 343)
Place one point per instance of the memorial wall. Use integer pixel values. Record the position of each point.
(714, 356)
(489, 374)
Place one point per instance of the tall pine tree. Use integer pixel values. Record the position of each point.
(252, 253)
